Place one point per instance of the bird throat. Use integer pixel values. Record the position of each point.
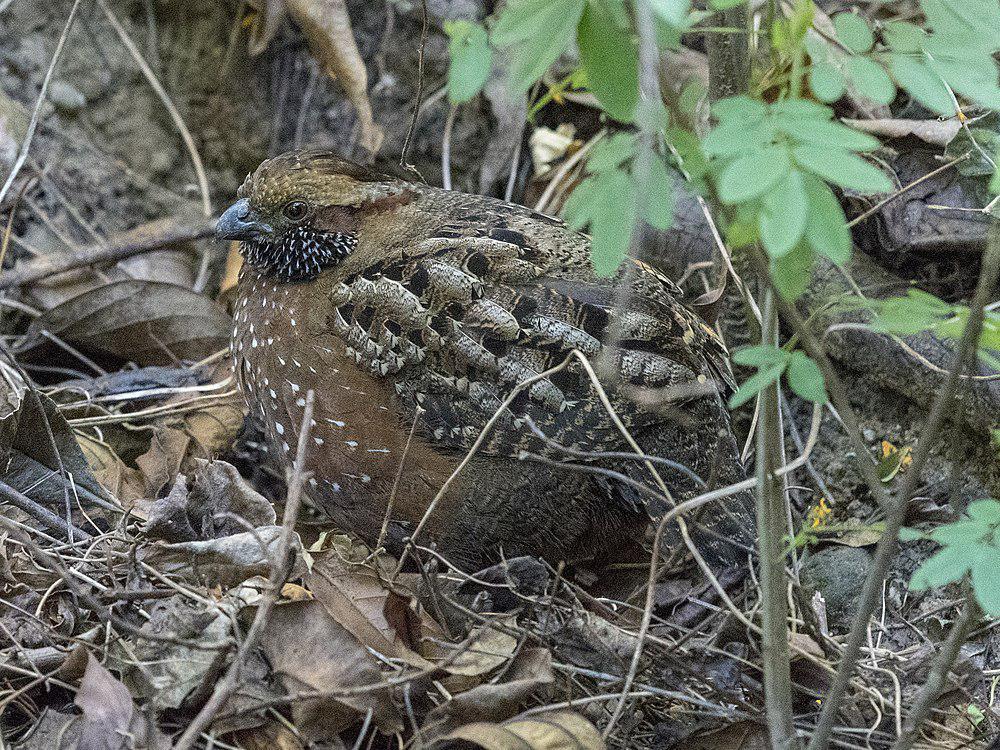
(300, 254)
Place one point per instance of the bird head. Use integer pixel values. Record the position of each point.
(299, 213)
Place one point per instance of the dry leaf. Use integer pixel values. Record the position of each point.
(558, 730)
(935, 132)
(326, 26)
(166, 673)
(110, 720)
(742, 735)
(356, 597)
(310, 651)
(145, 322)
(530, 671)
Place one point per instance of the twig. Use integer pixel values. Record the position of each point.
(896, 514)
(36, 112)
(905, 189)
(141, 239)
(53, 522)
(395, 482)
(938, 676)
(449, 123)
(404, 154)
(279, 570)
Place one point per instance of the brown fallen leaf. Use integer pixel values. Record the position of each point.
(935, 132)
(530, 671)
(110, 719)
(491, 647)
(357, 598)
(558, 730)
(310, 651)
(145, 322)
(741, 735)
(326, 26)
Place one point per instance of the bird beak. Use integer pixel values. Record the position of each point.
(240, 222)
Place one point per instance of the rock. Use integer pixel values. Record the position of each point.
(838, 573)
(66, 97)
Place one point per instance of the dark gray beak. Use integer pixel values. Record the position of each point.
(240, 222)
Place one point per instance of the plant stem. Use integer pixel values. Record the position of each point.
(729, 54)
(770, 529)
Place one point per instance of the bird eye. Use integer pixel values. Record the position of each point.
(295, 210)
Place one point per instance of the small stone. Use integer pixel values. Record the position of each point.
(869, 434)
(66, 97)
(838, 573)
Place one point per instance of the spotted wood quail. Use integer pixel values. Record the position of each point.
(414, 312)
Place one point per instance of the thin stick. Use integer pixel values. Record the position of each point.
(40, 513)
(36, 112)
(182, 128)
(141, 239)
(279, 569)
(395, 482)
(404, 154)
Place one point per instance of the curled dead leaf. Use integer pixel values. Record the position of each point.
(558, 730)
(357, 598)
(309, 651)
(326, 26)
(145, 322)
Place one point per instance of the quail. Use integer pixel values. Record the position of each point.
(437, 328)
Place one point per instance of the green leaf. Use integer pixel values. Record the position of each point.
(829, 134)
(471, 59)
(961, 532)
(870, 80)
(907, 534)
(753, 174)
(659, 202)
(750, 111)
(827, 82)
(904, 37)
(800, 108)
(760, 355)
(610, 56)
(826, 225)
(842, 168)
(946, 566)
(915, 312)
(854, 32)
(791, 272)
(612, 221)
(733, 136)
(984, 510)
(582, 202)
(984, 580)
(783, 220)
(922, 83)
(755, 384)
(533, 52)
(724, 4)
(806, 379)
(611, 153)
(673, 12)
